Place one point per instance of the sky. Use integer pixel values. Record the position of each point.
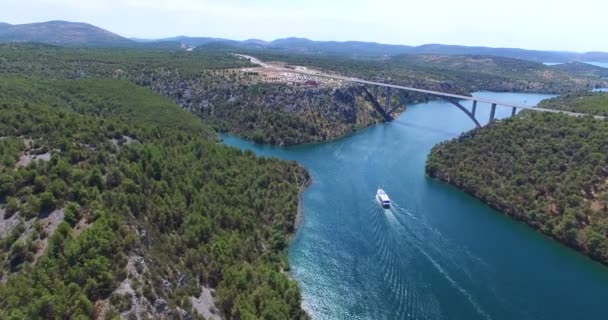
(564, 25)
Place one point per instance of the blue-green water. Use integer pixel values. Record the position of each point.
(438, 253)
(598, 64)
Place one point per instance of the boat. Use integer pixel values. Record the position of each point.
(383, 199)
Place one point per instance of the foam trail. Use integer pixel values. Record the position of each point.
(392, 263)
(439, 268)
(456, 285)
(445, 243)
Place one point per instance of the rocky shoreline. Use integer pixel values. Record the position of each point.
(512, 213)
(299, 215)
(560, 195)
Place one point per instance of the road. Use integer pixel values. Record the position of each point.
(411, 89)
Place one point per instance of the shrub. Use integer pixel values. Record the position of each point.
(12, 206)
(71, 213)
(7, 185)
(47, 201)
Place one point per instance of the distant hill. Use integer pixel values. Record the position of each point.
(373, 49)
(582, 69)
(201, 41)
(356, 48)
(74, 33)
(533, 55)
(61, 33)
(198, 41)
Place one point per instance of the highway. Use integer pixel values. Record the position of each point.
(430, 92)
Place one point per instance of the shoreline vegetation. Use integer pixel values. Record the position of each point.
(128, 205)
(299, 215)
(113, 185)
(233, 95)
(549, 171)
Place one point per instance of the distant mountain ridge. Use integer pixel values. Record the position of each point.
(360, 48)
(83, 34)
(60, 33)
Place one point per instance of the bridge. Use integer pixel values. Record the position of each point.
(454, 99)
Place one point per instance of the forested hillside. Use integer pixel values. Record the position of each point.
(60, 32)
(548, 170)
(595, 103)
(208, 82)
(83, 34)
(456, 74)
(583, 69)
(114, 200)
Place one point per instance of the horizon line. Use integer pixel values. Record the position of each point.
(132, 38)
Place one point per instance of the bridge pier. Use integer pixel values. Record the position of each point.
(492, 112)
(372, 96)
(402, 101)
(387, 101)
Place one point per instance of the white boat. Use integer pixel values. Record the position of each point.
(383, 199)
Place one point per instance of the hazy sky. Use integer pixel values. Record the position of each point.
(580, 25)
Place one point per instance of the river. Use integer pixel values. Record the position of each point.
(599, 64)
(438, 253)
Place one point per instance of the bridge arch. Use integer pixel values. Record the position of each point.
(470, 114)
(456, 97)
(388, 110)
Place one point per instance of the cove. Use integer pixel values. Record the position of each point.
(437, 253)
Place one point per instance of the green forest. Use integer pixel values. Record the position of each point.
(116, 197)
(594, 103)
(583, 69)
(448, 73)
(547, 170)
(99, 175)
(207, 82)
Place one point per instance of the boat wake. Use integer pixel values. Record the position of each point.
(410, 299)
(435, 248)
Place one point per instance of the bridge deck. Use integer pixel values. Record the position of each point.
(443, 94)
(430, 92)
